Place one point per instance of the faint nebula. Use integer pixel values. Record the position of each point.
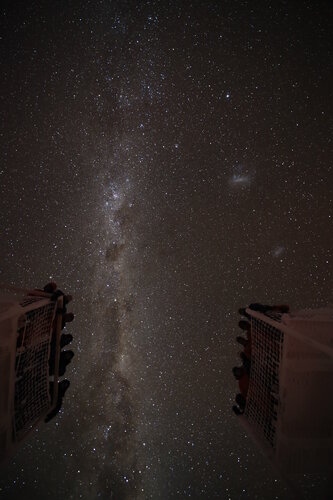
(240, 177)
(240, 180)
(278, 251)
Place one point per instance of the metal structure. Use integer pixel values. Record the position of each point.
(29, 323)
(289, 410)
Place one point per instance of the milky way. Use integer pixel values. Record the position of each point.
(166, 163)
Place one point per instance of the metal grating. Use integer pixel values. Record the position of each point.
(263, 395)
(32, 379)
(26, 301)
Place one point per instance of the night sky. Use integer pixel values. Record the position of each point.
(166, 162)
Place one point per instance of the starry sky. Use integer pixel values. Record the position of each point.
(166, 163)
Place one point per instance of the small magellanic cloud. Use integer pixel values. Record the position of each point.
(278, 251)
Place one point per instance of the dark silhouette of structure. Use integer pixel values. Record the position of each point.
(30, 350)
(287, 408)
